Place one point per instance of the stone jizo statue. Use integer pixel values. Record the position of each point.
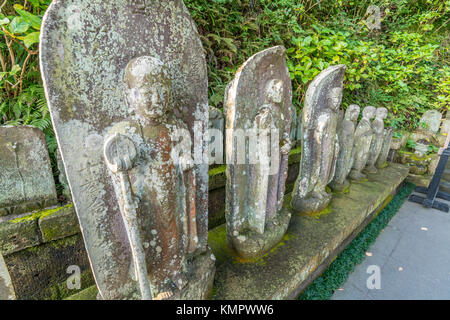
(162, 185)
(320, 146)
(346, 136)
(363, 140)
(387, 140)
(377, 140)
(260, 103)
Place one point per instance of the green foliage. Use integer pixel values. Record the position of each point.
(403, 67)
(22, 99)
(355, 253)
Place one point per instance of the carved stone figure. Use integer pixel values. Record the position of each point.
(163, 183)
(377, 139)
(259, 102)
(346, 136)
(363, 140)
(387, 140)
(84, 66)
(320, 147)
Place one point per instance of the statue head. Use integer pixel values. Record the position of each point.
(369, 112)
(334, 98)
(275, 91)
(148, 87)
(352, 112)
(381, 113)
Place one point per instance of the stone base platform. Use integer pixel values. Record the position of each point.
(309, 246)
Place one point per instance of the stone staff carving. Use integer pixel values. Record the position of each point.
(258, 101)
(86, 46)
(387, 140)
(363, 140)
(377, 140)
(120, 154)
(320, 145)
(346, 136)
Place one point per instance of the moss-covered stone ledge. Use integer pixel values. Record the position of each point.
(309, 245)
(38, 227)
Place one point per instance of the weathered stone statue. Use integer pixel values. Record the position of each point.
(139, 179)
(258, 102)
(320, 145)
(346, 136)
(377, 139)
(363, 140)
(162, 183)
(387, 140)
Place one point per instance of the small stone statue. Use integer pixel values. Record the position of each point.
(346, 135)
(160, 188)
(256, 219)
(377, 139)
(363, 140)
(387, 140)
(320, 145)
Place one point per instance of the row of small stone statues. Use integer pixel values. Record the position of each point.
(143, 209)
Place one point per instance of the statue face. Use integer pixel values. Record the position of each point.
(382, 113)
(148, 87)
(335, 99)
(151, 100)
(275, 91)
(369, 112)
(352, 112)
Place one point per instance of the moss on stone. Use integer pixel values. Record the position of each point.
(40, 214)
(86, 294)
(217, 170)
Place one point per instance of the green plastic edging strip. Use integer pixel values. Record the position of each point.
(355, 253)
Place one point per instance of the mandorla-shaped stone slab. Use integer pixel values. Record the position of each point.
(258, 101)
(26, 178)
(86, 48)
(320, 146)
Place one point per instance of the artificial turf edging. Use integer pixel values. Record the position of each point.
(337, 273)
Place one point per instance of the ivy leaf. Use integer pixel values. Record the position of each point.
(31, 39)
(30, 18)
(3, 21)
(35, 3)
(18, 25)
(15, 69)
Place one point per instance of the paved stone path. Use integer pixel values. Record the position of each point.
(413, 254)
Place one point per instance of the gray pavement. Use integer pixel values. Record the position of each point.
(413, 256)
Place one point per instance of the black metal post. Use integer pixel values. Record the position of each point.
(433, 190)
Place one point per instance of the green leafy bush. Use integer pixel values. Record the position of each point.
(404, 67)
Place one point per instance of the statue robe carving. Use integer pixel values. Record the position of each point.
(387, 140)
(320, 145)
(163, 182)
(363, 140)
(346, 136)
(377, 140)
